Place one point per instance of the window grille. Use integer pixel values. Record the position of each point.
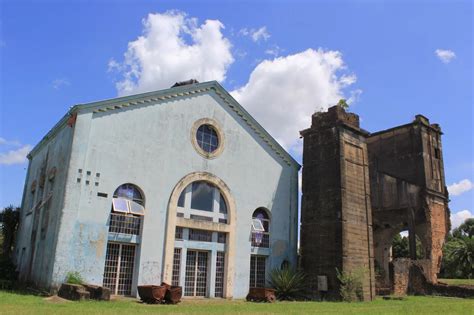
(200, 235)
(176, 266)
(118, 272)
(110, 270)
(221, 237)
(178, 235)
(220, 262)
(207, 138)
(126, 224)
(260, 229)
(261, 239)
(195, 283)
(257, 271)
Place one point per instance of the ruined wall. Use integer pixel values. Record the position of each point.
(336, 213)
(408, 190)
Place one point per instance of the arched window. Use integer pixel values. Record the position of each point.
(260, 228)
(130, 192)
(202, 200)
(204, 244)
(125, 218)
(127, 210)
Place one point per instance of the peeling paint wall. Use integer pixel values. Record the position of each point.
(42, 208)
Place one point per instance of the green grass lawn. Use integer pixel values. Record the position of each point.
(15, 303)
(458, 281)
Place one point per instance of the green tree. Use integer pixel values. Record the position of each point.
(401, 247)
(458, 252)
(465, 229)
(463, 256)
(10, 219)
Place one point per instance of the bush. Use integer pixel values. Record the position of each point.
(351, 285)
(288, 283)
(7, 270)
(74, 277)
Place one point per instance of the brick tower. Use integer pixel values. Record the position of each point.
(336, 228)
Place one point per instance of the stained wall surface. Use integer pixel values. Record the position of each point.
(150, 146)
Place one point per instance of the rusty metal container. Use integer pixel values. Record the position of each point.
(173, 294)
(152, 294)
(261, 295)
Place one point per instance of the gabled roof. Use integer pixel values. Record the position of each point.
(165, 95)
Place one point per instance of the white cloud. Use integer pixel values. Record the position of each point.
(461, 187)
(459, 217)
(163, 56)
(17, 156)
(283, 93)
(445, 55)
(6, 142)
(58, 83)
(275, 51)
(256, 34)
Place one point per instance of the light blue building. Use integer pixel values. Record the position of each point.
(179, 185)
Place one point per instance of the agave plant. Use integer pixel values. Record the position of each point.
(288, 283)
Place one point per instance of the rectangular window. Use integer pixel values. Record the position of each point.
(118, 272)
(221, 237)
(195, 282)
(257, 271)
(202, 196)
(200, 235)
(222, 205)
(219, 287)
(121, 205)
(126, 224)
(178, 235)
(181, 199)
(176, 266)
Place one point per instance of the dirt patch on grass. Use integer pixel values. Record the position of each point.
(56, 299)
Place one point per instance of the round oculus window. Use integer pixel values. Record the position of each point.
(207, 138)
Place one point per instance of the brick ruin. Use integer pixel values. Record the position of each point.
(360, 190)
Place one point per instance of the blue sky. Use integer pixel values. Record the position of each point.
(282, 60)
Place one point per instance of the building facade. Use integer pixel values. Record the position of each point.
(180, 185)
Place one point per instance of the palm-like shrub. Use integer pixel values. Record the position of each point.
(289, 284)
(463, 256)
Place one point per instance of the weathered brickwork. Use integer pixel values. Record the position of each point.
(361, 189)
(336, 218)
(408, 192)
